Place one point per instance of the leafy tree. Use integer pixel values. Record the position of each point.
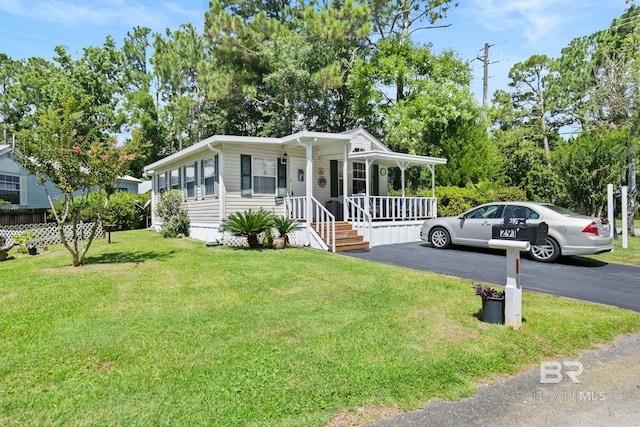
(588, 163)
(398, 19)
(438, 115)
(533, 106)
(600, 80)
(280, 67)
(76, 162)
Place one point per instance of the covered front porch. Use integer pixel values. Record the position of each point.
(360, 200)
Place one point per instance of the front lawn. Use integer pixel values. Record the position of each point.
(628, 255)
(155, 331)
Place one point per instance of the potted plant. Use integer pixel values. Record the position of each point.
(27, 241)
(492, 303)
(283, 225)
(4, 250)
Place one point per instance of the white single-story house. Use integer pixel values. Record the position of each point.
(333, 184)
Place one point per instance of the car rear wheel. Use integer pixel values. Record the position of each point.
(549, 252)
(439, 238)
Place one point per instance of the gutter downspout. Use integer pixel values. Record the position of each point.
(222, 189)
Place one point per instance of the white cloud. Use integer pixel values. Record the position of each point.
(535, 19)
(100, 13)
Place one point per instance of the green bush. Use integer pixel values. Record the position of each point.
(249, 224)
(456, 200)
(25, 241)
(175, 219)
(122, 210)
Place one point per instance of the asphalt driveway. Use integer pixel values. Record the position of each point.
(576, 277)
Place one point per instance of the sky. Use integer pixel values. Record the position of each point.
(514, 29)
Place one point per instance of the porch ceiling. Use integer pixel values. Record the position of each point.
(401, 160)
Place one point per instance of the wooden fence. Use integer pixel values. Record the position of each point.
(48, 234)
(22, 216)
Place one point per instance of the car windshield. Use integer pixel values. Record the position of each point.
(561, 210)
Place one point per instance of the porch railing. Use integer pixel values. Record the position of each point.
(397, 208)
(358, 215)
(324, 222)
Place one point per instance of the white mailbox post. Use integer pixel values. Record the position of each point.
(513, 290)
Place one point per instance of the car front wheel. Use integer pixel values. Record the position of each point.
(549, 252)
(439, 238)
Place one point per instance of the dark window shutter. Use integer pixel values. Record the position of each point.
(333, 172)
(282, 178)
(375, 180)
(216, 170)
(245, 175)
(216, 175)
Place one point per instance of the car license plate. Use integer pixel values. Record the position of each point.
(509, 233)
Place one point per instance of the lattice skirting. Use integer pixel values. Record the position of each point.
(239, 241)
(48, 234)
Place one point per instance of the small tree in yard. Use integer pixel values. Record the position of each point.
(175, 220)
(77, 162)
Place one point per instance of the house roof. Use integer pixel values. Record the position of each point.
(129, 178)
(401, 160)
(4, 148)
(381, 153)
(212, 142)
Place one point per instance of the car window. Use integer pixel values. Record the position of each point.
(490, 211)
(515, 211)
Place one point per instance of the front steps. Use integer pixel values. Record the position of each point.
(347, 239)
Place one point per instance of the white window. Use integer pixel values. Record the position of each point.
(162, 183)
(359, 177)
(190, 180)
(10, 189)
(175, 179)
(210, 176)
(265, 174)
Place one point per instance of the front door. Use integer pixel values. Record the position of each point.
(297, 175)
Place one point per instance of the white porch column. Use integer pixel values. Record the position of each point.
(308, 187)
(309, 181)
(222, 188)
(345, 182)
(402, 167)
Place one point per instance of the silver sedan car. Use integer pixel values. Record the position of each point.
(569, 233)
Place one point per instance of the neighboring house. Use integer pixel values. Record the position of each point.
(326, 181)
(129, 184)
(21, 189)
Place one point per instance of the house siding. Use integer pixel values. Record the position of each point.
(234, 201)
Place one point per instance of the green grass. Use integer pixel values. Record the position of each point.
(628, 255)
(155, 331)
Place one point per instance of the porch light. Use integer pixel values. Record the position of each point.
(283, 160)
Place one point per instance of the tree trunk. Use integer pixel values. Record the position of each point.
(631, 196)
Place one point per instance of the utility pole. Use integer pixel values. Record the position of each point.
(485, 65)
